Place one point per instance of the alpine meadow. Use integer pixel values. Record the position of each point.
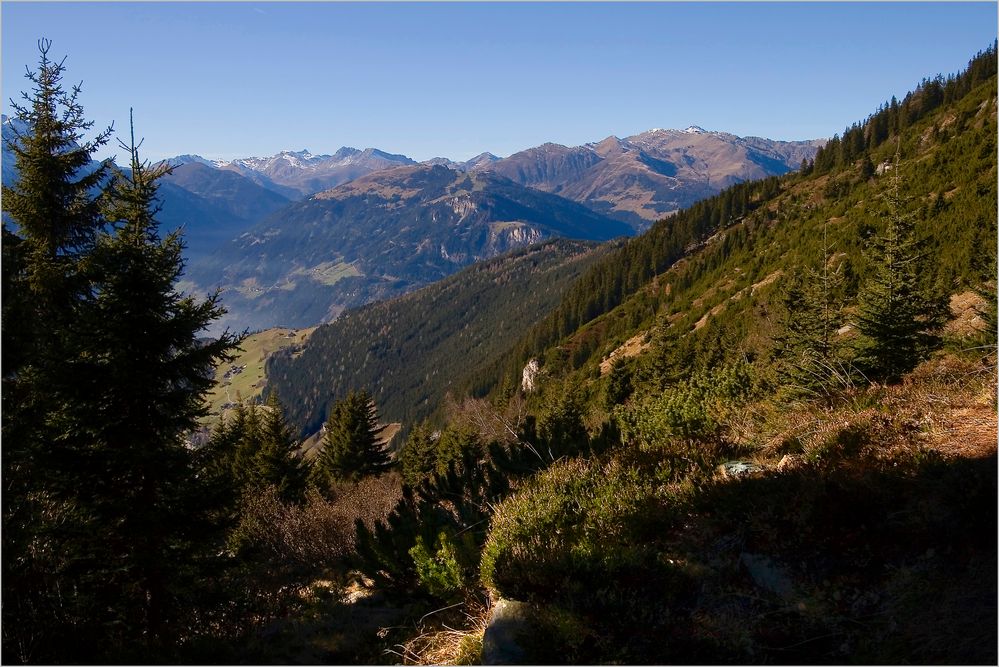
(681, 396)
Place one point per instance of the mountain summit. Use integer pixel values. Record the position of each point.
(301, 173)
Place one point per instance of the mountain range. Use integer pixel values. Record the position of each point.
(294, 238)
(377, 224)
(379, 236)
(637, 179)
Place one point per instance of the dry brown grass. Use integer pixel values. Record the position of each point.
(946, 405)
(448, 636)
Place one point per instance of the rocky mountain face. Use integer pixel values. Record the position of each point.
(480, 161)
(637, 179)
(379, 236)
(642, 178)
(212, 206)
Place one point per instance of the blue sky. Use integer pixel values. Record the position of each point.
(232, 79)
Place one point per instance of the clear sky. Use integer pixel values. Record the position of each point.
(234, 79)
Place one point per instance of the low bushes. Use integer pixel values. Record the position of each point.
(583, 531)
(696, 408)
(320, 530)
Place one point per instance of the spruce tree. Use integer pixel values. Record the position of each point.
(418, 457)
(277, 462)
(246, 427)
(53, 201)
(809, 356)
(619, 385)
(54, 206)
(148, 370)
(899, 320)
(351, 448)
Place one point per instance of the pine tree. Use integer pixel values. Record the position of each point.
(147, 371)
(988, 313)
(246, 426)
(52, 202)
(56, 210)
(418, 456)
(277, 462)
(899, 321)
(350, 444)
(619, 385)
(561, 431)
(810, 358)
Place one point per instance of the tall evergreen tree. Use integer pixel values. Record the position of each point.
(277, 462)
(900, 322)
(247, 436)
(55, 207)
(807, 349)
(418, 456)
(148, 371)
(107, 378)
(350, 444)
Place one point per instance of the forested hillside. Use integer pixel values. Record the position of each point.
(410, 351)
(775, 423)
(754, 232)
(749, 428)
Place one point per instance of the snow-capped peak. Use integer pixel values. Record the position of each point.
(197, 159)
(695, 129)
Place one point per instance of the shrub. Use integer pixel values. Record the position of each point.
(406, 551)
(437, 568)
(317, 532)
(580, 530)
(695, 408)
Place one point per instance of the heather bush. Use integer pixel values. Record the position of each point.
(581, 530)
(319, 531)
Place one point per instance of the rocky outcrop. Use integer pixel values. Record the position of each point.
(503, 641)
(530, 375)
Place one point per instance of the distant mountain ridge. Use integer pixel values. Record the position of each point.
(379, 236)
(305, 173)
(209, 205)
(644, 177)
(296, 237)
(637, 179)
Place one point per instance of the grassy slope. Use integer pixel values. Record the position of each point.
(865, 535)
(248, 383)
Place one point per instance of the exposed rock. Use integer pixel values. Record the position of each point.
(768, 575)
(787, 462)
(502, 641)
(530, 374)
(631, 348)
(738, 468)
